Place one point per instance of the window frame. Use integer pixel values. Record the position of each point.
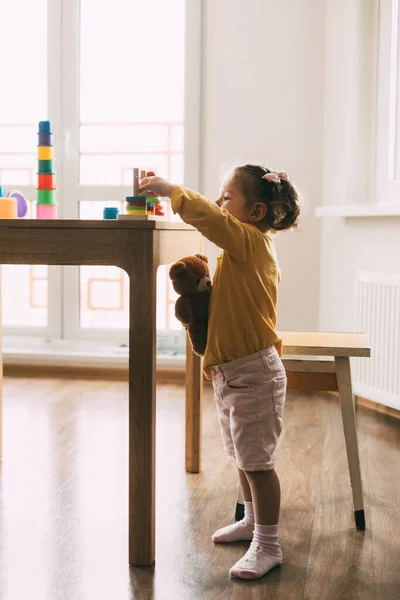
(388, 103)
(63, 68)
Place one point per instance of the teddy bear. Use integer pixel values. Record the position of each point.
(191, 280)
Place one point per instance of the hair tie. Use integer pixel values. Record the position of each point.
(276, 176)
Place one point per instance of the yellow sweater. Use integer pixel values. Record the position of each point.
(243, 300)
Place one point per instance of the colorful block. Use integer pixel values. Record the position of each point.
(135, 199)
(45, 166)
(46, 211)
(45, 139)
(44, 127)
(8, 208)
(110, 212)
(46, 181)
(45, 152)
(151, 208)
(46, 196)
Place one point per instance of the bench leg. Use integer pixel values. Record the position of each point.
(343, 375)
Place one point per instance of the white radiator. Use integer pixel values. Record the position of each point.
(378, 314)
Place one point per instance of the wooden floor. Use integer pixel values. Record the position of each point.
(63, 502)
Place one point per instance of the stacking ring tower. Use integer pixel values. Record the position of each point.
(46, 207)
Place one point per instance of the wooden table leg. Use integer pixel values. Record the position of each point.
(343, 375)
(194, 391)
(142, 407)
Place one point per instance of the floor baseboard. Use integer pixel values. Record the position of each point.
(85, 372)
(164, 375)
(380, 408)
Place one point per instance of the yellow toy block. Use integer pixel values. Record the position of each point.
(45, 152)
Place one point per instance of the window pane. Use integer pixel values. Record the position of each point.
(114, 85)
(125, 121)
(177, 138)
(104, 291)
(104, 298)
(24, 293)
(23, 100)
(117, 169)
(124, 138)
(176, 168)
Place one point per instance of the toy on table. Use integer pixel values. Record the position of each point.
(22, 203)
(110, 212)
(191, 280)
(8, 206)
(151, 207)
(158, 207)
(46, 206)
(13, 204)
(138, 206)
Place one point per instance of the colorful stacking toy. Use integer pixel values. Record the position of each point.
(46, 206)
(138, 206)
(158, 207)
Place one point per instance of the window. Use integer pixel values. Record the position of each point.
(115, 94)
(388, 118)
(18, 140)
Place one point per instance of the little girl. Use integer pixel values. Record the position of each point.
(243, 349)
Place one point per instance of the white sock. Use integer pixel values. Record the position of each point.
(263, 555)
(239, 531)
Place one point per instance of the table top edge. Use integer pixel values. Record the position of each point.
(22, 224)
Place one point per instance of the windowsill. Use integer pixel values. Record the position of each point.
(75, 353)
(356, 211)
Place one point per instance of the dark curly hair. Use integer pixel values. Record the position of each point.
(281, 199)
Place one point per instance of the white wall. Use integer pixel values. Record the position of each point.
(263, 103)
(349, 245)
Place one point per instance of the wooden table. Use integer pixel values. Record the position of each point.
(139, 248)
(318, 373)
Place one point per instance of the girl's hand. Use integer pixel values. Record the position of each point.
(155, 186)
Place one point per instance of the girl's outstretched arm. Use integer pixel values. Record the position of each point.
(217, 225)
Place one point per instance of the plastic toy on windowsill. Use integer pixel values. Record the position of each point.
(138, 206)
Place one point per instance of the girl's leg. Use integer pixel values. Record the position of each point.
(266, 494)
(241, 530)
(244, 484)
(265, 552)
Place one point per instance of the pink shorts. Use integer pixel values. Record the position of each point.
(250, 395)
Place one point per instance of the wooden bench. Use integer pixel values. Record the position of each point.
(314, 361)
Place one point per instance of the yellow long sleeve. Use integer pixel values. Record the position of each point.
(244, 295)
(215, 224)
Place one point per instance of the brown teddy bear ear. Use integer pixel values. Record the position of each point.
(202, 257)
(177, 269)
